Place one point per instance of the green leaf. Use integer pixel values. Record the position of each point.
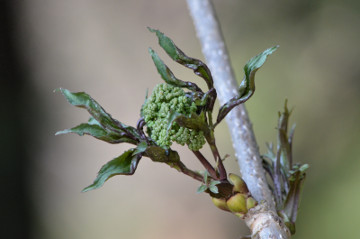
(168, 76)
(194, 121)
(125, 164)
(247, 86)
(142, 146)
(179, 56)
(205, 176)
(214, 182)
(214, 189)
(204, 101)
(98, 132)
(94, 129)
(158, 154)
(202, 188)
(93, 121)
(162, 155)
(212, 186)
(304, 167)
(83, 100)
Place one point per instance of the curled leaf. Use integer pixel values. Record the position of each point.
(194, 121)
(179, 56)
(247, 86)
(167, 75)
(125, 164)
(97, 131)
(292, 202)
(83, 100)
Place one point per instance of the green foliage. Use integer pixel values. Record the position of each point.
(168, 76)
(208, 184)
(94, 129)
(247, 86)
(179, 56)
(101, 125)
(171, 114)
(125, 164)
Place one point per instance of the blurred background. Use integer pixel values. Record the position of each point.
(101, 47)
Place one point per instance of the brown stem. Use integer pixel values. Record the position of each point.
(206, 164)
(189, 172)
(218, 160)
(209, 135)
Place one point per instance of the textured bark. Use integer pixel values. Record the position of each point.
(264, 222)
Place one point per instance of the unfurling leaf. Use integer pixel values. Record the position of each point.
(287, 178)
(83, 100)
(168, 76)
(97, 131)
(194, 121)
(212, 186)
(179, 56)
(247, 86)
(283, 139)
(205, 176)
(125, 164)
(214, 189)
(292, 202)
(202, 188)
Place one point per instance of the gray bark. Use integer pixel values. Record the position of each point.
(263, 221)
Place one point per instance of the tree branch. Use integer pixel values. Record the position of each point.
(244, 142)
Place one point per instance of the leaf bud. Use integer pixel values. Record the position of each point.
(220, 203)
(239, 184)
(237, 203)
(250, 203)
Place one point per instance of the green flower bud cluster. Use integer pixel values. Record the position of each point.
(241, 200)
(156, 111)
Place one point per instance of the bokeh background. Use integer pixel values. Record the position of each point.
(101, 47)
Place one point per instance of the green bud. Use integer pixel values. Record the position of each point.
(220, 203)
(250, 203)
(239, 184)
(237, 203)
